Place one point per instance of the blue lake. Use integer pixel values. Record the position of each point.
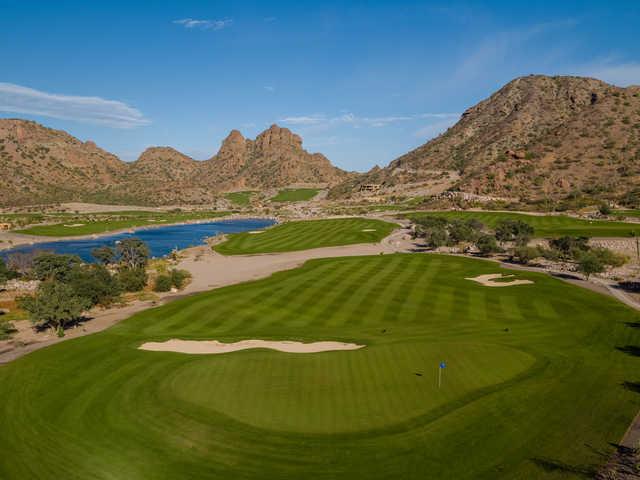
(161, 240)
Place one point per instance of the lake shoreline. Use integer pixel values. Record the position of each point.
(12, 239)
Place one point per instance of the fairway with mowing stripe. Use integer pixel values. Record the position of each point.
(303, 235)
(533, 386)
(544, 225)
(295, 195)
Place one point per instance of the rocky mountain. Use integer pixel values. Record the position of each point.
(537, 137)
(41, 165)
(273, 159)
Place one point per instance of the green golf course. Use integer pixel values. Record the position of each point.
(89, 224)
(544, 225)
(295, 195)
(242, 199)
(303, 235)
(540, 381)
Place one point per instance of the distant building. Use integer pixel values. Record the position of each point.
(370, 188)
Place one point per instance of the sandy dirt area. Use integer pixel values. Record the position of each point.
(213, 347)
(489, 280)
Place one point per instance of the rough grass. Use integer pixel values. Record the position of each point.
(240, 198)
(303, 235)
(295, 195)
(109, 222)
(546, 225)
(534, 385)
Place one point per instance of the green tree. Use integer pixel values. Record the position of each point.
(604, 209)
(436, 237)
(163, 283)
(487, 245)
(55, 304)
(51, 266)
(95, 283)
(524, 254)
(513, 231)
(133, 253)
(105, 255)
(589, 263)
(132, 279)
(6, 273)
(179, 277)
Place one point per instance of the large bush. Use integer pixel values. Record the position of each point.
(54, 304)
(132, 279)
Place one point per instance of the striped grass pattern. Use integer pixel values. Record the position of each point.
(303, 235)
(533, 386)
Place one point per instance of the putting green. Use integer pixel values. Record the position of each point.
(303, 235)
(539, 382)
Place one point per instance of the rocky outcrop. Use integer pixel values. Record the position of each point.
(537, 137)
(40, 165)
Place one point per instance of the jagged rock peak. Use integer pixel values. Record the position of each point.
(276, 137)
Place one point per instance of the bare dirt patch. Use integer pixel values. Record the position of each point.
(209, 347)
(489, 280)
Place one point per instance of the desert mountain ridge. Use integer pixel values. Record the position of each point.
(538, 137)
(41, 165)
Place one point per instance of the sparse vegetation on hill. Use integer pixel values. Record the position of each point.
(42, 165)
(538, 138)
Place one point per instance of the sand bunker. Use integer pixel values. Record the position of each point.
(255, 232)
(75, 225)
(489, 280)
(368, 229)
(209, 347)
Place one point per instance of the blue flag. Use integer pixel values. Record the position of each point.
(442, 364)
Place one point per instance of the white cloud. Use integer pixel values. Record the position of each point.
(434, 129)
(358, 121)
(269, 88)
(111, 113)
(621, 74)
(496, 49)
(193, 23)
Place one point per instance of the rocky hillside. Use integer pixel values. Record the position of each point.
(41, 165)
(538, 137)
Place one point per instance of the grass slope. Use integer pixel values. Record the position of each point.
(295, 195)
(303, 235)
(240, 198)
(543, 399)
(108, 222)
(546, 225)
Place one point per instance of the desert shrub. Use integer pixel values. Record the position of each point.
(513, 231)
(608, 257)
(436, 237)
(487, 245)
(569, 247)
(464, 231)
(179, 277)
(132, 279)
(604, 209)
(163, 283)
(96, 283)
(6, 273)
(524, 254)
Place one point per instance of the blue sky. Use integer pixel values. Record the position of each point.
(362, 82)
